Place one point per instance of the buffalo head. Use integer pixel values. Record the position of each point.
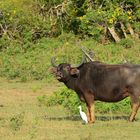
(65, 71)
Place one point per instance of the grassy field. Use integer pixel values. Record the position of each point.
(23, 118)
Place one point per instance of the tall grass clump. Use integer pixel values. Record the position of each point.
(17, 121)
(65, 97)
(69, 100)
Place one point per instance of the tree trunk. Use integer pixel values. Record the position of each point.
(123, 29)
(114, 34)
(130, 29)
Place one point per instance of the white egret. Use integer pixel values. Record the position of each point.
(83, 115)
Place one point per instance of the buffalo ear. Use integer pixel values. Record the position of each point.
(74, 71)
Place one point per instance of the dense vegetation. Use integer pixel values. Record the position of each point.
(32, 31)
(27, 21)
(69, 100)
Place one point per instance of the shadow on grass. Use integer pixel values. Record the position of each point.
(108, 118)
(72, 118)
(76, 118)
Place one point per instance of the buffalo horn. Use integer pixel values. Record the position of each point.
(78, 65)
(53, 63)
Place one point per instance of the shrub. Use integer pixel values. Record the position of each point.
(27, 28)
(69, 100)
(17, 121)
(65, 97)
(127, 42)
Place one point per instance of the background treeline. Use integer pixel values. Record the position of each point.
(101, 19)
(31, 31)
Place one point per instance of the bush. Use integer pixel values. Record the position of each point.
(65, 97)
(127, 42)
(17, 121)
(69, 100)
(27, 28)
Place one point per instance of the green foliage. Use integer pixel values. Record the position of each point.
(21, 23)
(119, 107)
(26, 21)
(34, 64)
(69, 100)
(127, 42)
(30, 65)
(31, 32)
(17, 121)
(92, 18)
(64, 97)
(89, 22)
(42, 100)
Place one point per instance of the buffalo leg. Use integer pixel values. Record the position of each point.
(91, 113)
(88, 116)
(89, 99)
(135, 107)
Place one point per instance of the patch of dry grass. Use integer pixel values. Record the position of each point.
(53, 123)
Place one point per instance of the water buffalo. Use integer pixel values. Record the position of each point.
(104, 82)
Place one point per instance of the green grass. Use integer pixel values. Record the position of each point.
(22, 59)
(34, 64)
(21, 117)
